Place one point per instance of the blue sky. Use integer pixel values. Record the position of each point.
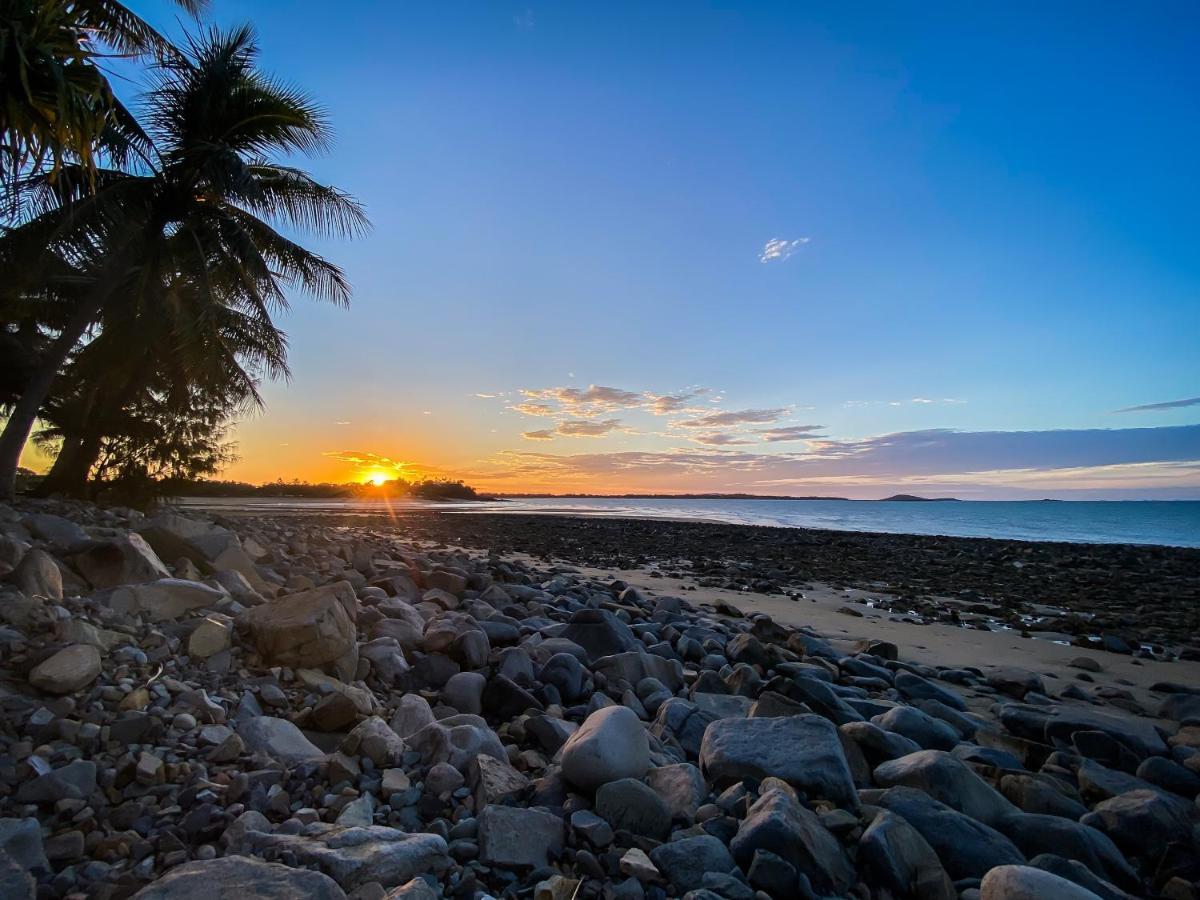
(994, 207)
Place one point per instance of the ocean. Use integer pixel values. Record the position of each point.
(1172, 523)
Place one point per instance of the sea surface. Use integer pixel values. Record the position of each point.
(1173, 523)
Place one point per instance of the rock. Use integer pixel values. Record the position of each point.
(611, 744)
(1014, 681)
(57, 530)
(443, 778)
(74, 781)
(966, 848)
(1170, 776)
(21, 841)
(600, 633)
(511, 837)
(914, 687)
(775, 876)
(778, 823)
(375, 739)
(412, 714)
(902, 861)
(354, 856)
(1061, 722)
(125, 559)
(597, 831)
(635, 665)
(636, 864)
(804, 751)
(494, 780)
(387, 658)
(334, 712)
(211, 636)
(1037, 834)
(949, 780)
(1027, 883)
(237, 877)
(69, 670)
(1043, 795)
(877, 744)
(681, 787)
(1143, 822)
(456, 740)
(310, 629)
(165, 599)
(918, 727)
(279, 739)
(627, 804)
(15, 882)
(38, 575)
(685, 861)
(417, 889)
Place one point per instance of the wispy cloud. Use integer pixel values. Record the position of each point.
(779, 249)
(720, 439)
(738, 417)
(670, 404)
(789, 433)
(1169, 404)
(530, 408)
(591, 428)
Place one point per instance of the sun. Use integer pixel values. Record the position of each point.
(377, 478)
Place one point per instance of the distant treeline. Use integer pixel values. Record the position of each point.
(419, 490)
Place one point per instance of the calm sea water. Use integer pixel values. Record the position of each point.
(1174, 523)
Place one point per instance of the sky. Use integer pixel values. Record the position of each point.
(815, 249)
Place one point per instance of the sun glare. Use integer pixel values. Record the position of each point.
(377, 478)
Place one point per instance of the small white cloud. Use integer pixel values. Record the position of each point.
(780, 249)
(346, 422)
(483, 395)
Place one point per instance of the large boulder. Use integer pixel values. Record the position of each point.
(125, 559)
(968, 849)
(279, 739)
(600, 633)
(902, 861)
(627, 804)
(38, 575)
(309, 629)
(1028, 883)
(69, 670)
(948, 779)
(512, 837)
(356, 855)
(611, 744)
(238, 877)
(635, 665)
(778, 823)
(685, 862)
(456, 740)
(805, 751)
(167, 598)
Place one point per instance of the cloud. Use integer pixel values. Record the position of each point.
(931, 456)
(585, 403)
(789, 433)
(719, 439)
(575, 428)
(780, 249)
(670, 404)
(585, 428)
(529, 408)
(1169, 404)
(739, 417)
(483, 395)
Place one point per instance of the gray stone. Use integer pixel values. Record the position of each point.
(1015, 882)
(125, 559)
(611, 744)
(966, 848)
(355, 856)
(917, 688)
(38, 575)
(69, 670)
(21, 840)
(627, 804)
(778, 823)
(456, 740)
(681, 787)
(512, 837)
(684, 862)
(902, 861)
(412, 714)
(600, 633)
(165, 599)
(279, 739)
(949, 780)
(918, 727)
(804, 751)
(74, 781)
(237, 877)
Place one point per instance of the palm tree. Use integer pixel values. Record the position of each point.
(203, 209)
(56, 104)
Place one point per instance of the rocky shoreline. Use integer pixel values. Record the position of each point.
(342, 707)
(1114, 597)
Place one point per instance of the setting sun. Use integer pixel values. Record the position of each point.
(376, 478)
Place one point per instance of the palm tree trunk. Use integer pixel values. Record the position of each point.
(69, 474)
(24, 414)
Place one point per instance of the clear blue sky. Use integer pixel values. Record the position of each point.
(1001, 204)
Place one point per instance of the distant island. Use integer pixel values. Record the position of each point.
(912, 498)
